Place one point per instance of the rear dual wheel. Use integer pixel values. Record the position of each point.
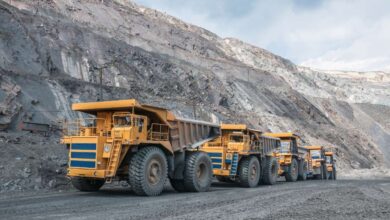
(324, 172)
(270, 171)
(292, 171)
(302, 174)
(197, 174)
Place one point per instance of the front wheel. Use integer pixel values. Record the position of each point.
(148, 171)
(87, 184)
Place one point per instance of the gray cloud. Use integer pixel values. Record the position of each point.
(333, 34)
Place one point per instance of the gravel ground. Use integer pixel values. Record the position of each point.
(341, 199)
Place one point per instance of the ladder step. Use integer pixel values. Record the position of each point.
(114, 160)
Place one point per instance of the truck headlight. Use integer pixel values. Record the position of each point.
(229, 156)
(107, 148)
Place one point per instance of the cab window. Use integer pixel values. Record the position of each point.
(140, 124)
(316, 154)
(236, 138)
(285, 147)
(122, 121)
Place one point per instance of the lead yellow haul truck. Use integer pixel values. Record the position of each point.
(289, 158)
(243, 155)
(142, 144)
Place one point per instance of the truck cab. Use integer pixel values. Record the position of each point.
(129, 127)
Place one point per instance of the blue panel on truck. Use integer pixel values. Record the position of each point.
(83, 146)
(87, 155)
(82, 164)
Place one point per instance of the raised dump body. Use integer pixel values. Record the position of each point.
(316, 162)
(291, 161)
(243, 155)
(142, 144)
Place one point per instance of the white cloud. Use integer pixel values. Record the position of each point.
(333, 34)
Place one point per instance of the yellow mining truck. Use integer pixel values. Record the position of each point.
(330, 165)
(243, 155)
(142, 144)
(317, 163)
(289, 158)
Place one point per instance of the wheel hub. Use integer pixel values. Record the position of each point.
(253, 172)
(154, 172)
(201, 171)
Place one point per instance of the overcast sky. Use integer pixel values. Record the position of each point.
(324, 34)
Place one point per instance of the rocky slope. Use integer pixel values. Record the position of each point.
(51, 53)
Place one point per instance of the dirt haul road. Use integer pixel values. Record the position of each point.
(342, 199)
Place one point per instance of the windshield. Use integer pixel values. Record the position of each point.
(328, 159)
(285, 147)
(315, 154)
(122, 121)
(236, 138)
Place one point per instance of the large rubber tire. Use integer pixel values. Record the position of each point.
(302, 174)
(324, 172)
(148, 171)
(270, 171)
(178, 185)
(249, 172)
(292, 171)
(330, 175)
(86, 184)
(198, 172)
(334, 174)
(305, 169)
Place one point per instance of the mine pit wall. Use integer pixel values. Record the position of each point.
(374, 121)
(55, 58)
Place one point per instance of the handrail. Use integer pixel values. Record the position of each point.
(85, 127)
(158, 132)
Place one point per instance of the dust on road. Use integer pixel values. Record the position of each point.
(342, 199)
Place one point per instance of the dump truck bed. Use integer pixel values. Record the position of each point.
(190, 134)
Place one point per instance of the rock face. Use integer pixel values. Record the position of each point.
(51, 54)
